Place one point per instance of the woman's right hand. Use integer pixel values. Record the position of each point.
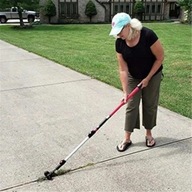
(125, 97)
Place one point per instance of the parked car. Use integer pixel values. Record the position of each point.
(12, 13)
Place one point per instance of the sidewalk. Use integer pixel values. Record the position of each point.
(46, 110)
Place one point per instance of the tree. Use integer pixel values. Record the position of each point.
(139, 9)
(4, 4)
(187, 5)
(49, 9)
(90, 10)
(18, 4)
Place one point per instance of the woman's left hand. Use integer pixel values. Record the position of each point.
(144, 83)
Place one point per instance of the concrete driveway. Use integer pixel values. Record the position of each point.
(46, 110)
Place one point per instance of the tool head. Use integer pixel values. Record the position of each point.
(49, 175)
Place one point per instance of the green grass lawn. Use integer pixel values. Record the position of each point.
(89, 50)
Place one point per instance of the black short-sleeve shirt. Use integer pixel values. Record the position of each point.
(139, 58)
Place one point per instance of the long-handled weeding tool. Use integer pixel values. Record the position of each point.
(49, 175)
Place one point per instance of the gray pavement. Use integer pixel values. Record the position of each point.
(46, 110)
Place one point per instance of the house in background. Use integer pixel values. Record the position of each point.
(154, 9)
(73, 11)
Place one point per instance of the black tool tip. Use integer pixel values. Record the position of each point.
(48, 175)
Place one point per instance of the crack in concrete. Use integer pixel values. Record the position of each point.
(45, 85)
(62, 172)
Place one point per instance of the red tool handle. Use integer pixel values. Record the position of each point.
(128, 97)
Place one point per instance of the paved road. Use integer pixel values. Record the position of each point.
(46, 110)
(16, 22)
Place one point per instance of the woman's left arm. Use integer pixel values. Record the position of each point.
(158, 52)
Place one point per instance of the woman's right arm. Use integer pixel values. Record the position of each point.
(123, 73)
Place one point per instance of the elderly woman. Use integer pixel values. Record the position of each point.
(140, 56)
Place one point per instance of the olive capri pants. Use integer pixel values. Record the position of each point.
(150, 100)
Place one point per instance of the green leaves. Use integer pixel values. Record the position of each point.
(90, 10)
(49, 9)
(187, 4)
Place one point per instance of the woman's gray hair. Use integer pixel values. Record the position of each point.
(135, 28)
